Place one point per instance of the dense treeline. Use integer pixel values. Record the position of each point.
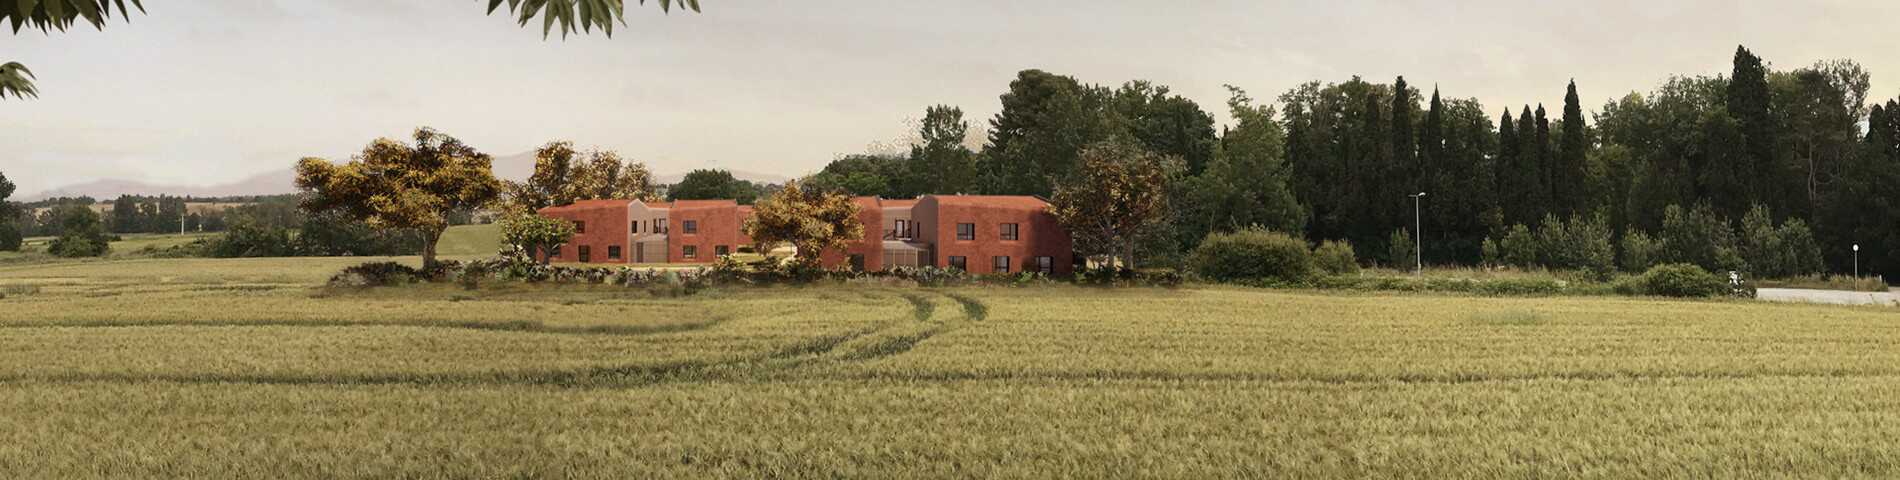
(1775, 165)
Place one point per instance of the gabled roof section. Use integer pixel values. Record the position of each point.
(1005, 201)
(589, 205)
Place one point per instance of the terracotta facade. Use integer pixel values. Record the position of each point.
(981, 234)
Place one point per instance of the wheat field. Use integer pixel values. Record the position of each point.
(246, 368)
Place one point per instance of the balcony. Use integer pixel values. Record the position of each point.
(904, 235)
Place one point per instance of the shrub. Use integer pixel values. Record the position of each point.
(1519, 287)
(1159, 277)
(1640, 251)
(1488, 253)
(80, 234)
(1335, 257)
(248, 238)
(1519, 248)
(1401, 250)
(1777, 252)
(1683, 280)
(375, 274)
(1698, 236)
(1253, 254)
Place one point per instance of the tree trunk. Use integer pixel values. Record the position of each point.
(429, 237)
(1128, 254)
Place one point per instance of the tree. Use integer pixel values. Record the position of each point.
(1166, 125)
(49, 15)
(563, 175)
(706, 184)
(941, 164)
(10, 234)
(1118, 194)
(809, 218)
(80, 234)
(1567, 176)
(1046, 119)
(394, 186)
(1246, 183)
(538, 234)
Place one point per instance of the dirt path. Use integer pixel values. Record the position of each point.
(1887, 298)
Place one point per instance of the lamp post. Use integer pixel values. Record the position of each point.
(1857, 265)
(1418, 230)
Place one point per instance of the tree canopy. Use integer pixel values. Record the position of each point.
(393, 185)
(810, 218)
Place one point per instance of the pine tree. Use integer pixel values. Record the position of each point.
(1406, 171)
(1542, 199)
(1749, 103)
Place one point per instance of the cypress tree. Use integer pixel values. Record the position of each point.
(1404, 146)
(1749, 104)
(1506, 186)
(1544, 167)
(1567, 187)
(1431, 144)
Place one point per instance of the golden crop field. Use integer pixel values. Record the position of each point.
(246, 368)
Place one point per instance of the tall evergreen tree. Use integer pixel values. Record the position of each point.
(1568, 178)
(1544, 201)
(1406, 174)
(1749, 103)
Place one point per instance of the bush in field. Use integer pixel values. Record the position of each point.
(248, 238)
(1698, 236)
(375, 274)
(81, 234)
(1640, 251)
(1778, 252)
(1335, 257)
(1251, 255)
(1401, 250)
(1488, 256)
(1519, 248)
(1683, 280)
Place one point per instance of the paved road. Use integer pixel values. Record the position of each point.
(1887, 298)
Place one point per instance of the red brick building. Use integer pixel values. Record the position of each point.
(979, 234)
(626, 231)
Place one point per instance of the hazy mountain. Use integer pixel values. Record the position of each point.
(508, 167)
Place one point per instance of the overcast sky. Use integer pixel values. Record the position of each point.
(198, 93)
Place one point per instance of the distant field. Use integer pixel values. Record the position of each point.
(470, 240)
(242, 368)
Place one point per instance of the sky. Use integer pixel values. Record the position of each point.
(202, 93)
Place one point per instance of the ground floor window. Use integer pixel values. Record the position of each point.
(722, 250)
(960, 263)
(1046, 265)
(857, 262)
(613, 252)
(999, 264)
(689, 251)
(554, 252)
(584, 254)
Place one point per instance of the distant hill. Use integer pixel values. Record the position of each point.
(508, 167)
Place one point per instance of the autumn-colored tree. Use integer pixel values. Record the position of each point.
(537, 233)
(809, 218)
(392, 185)
(563, 175)
(1120, 193)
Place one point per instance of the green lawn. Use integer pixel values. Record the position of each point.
(244, 368)
(470, 240)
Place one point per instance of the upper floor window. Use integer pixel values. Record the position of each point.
(691, 226)
(580, 226)
(903, 230)
(1009, 231)
(634, 226)
(966, 231)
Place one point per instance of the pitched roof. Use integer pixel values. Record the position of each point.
(1007, 201)
(682, 204)
(658, 204)
(589, 205)
(899, 203)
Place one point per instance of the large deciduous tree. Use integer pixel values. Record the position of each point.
(809, 218)
(1118, 193)
(81, 234)
(538, 234)
(1046, 119)
(10, 234)
(393, 185)
(563, 175)
(706, 184)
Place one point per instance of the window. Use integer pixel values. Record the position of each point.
(966, 231)
(902, 229)
(857, 262)
(584, 251)
(555, 252)
(613, 252)
(689, 251)
(634, 226)
(1046, 265)
(691, 226)
(999, 264)
(1009, 231)
(960, 263)
(722, 250)
(580, 226)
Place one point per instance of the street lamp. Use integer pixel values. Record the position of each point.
(1856, 265)
(1418, 229)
